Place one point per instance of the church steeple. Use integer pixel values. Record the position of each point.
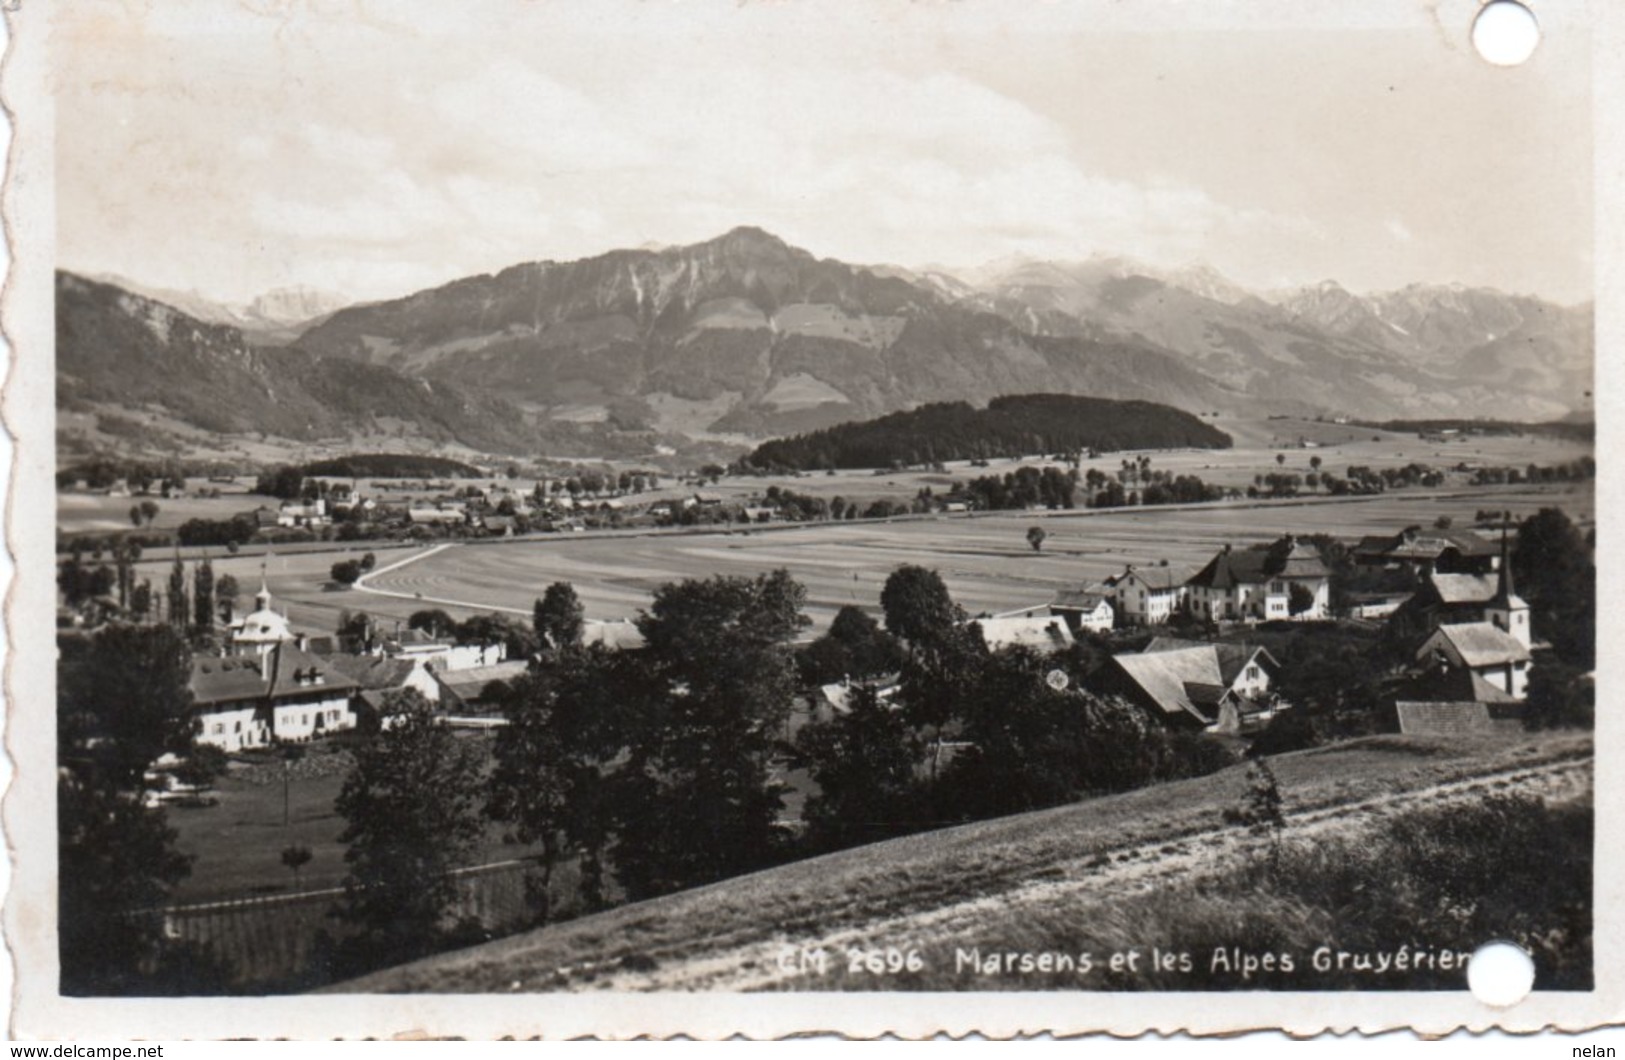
(1507, 610)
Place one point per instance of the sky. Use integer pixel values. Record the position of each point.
(373, 149)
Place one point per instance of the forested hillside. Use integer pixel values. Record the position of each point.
(1009, 426)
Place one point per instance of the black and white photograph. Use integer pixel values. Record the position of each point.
(757, 503)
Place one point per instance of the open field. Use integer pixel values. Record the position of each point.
(984, 558)
(962, 884)
(238, 844)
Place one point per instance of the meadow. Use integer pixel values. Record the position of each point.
(970, 884)
(984, 558)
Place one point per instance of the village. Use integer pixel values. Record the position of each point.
(1463, 636)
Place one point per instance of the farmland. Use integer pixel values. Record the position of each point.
(984, 559)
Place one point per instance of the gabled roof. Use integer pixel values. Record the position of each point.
(288, 665)
(1162, 643)
(1041, 632)
(1159, 578)
(1232, 567)
(1234, 658)
(1481, 643)
(1164, 676)
(1464, 588)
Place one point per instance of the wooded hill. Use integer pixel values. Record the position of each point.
(1010, 426)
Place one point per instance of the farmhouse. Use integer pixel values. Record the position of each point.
(1148, 596)
(1084, 609)
(1287, 581)
(833, 700)
(1215, 687)
(435, 517)
(480, 689)
(425, 649)
(283, 693)
(1425, 551)
(313, 513)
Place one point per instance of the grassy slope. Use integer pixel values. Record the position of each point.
(815, 898)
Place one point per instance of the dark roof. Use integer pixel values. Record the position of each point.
(229, 680)
(1415, 543)
(1233, 658)
(288, 665)
(1232, 567)
(470, 684)
(373, 671)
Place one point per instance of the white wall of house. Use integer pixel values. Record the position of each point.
(304, 721)
(1145, 605)
(232, 729)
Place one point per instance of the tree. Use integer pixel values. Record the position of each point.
(918, 608)
(1260, 811)
(149, 511)
(203, 598)
(855, 646)
(295, 858)
(554, 773)
(1299, 598)
(558, 616)
(1314, 463)
(1280, 459)
(180, 615)
(700, 800)
(1035, 537)
(434, 622)
(122, 700)
(135, 515)
(411, 807)
(116, 865)
(863, 763)
(226, 594)
(368, 562)
(1554, 572)
(346, 571)
(1560, 697)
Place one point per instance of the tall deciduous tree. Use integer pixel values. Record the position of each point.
(555, 761)
(1554, 572)
(122, 700)
(864, 763)
(411, 804)
(558, 616)
(918, 608)
(699, 801)
(855, 646)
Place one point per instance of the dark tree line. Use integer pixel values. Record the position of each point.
(1016, 425)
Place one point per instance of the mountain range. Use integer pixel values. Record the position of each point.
(745, 337)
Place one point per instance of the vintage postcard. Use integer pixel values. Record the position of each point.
(702, 518)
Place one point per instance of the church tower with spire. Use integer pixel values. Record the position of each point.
(1507, 610)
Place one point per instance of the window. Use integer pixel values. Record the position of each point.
(219, 728)
(1277, 587)
(1252, 673)
(238, 727)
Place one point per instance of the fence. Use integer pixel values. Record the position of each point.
(279, 941)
